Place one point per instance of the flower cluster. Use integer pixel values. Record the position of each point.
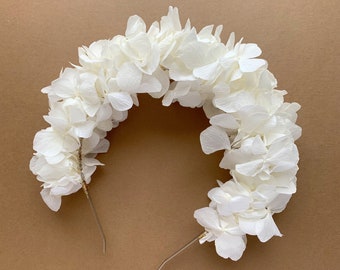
(249, 120)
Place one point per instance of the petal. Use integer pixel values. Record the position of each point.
(192, 100)
(213, 139)
(149, 84)
(91, 108)
(163, 78)
(231, 41)
(68, 189)
(102, 147)
(251, 65)
(235, 204)
(224, 120)
(36, 163)
(47, 142)
(208, 218)
(258, 146)
(135, 25)
(251, 50)
(168, 98)
(104, 113)
(76, 113)
(234, 102)
(248, 226)
(129, 77)
(90, 143)
(207, 72)
(85, 130)
(70, 144)
(53, 202)
(55, 159)
(266, 229)
(120, 101)
(279, 203)
(181, 73)
(218, 195)
(250, 168)
(230, 246)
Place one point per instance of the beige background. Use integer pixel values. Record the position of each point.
(155, 174)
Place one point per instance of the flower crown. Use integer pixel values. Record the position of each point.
(249, 120)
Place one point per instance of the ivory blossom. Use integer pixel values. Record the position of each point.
(249, 120)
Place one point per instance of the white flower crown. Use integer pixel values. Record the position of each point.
(249, 120)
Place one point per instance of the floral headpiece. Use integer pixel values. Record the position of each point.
(249, 120)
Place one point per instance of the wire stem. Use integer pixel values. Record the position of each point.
(181, 250)
(89, 199)
(94, 212)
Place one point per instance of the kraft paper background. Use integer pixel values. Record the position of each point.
(156, 174)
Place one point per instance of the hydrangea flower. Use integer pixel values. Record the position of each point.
(230, 241)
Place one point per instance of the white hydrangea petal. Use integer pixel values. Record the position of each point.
(180, 89)
(284, 166)
(258, 146)
(119, 115)
(67, 189)
(35, 164)
(248, 226)
(163, 78)
(230, 246)
(88, 171)
(70, 143)
(279, 203)
(250, 168)
(239, 203)
(289, 188)
(92, 162)
(149, 84)
(229, 160)
(231, 41)
(224, 120)
(213, 139)
(120, 101)
(85, 130)
(53, 202)
(76, 113)
(55, 159)
(266, 229)
(168, 98)
(90, 108)
(234, 205)
(192, 100)
(251, 65)
(102, 147)
(208, 218)
(104, 113)
(235, 102)
(134, 26)
(218, 195)
(129, 77)
(267, 80)
(106, 125)
(171, 21)
(206, 72)
(48, 142)
(181, 73)
(251, 50)
(57, 119)
(90, 143)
